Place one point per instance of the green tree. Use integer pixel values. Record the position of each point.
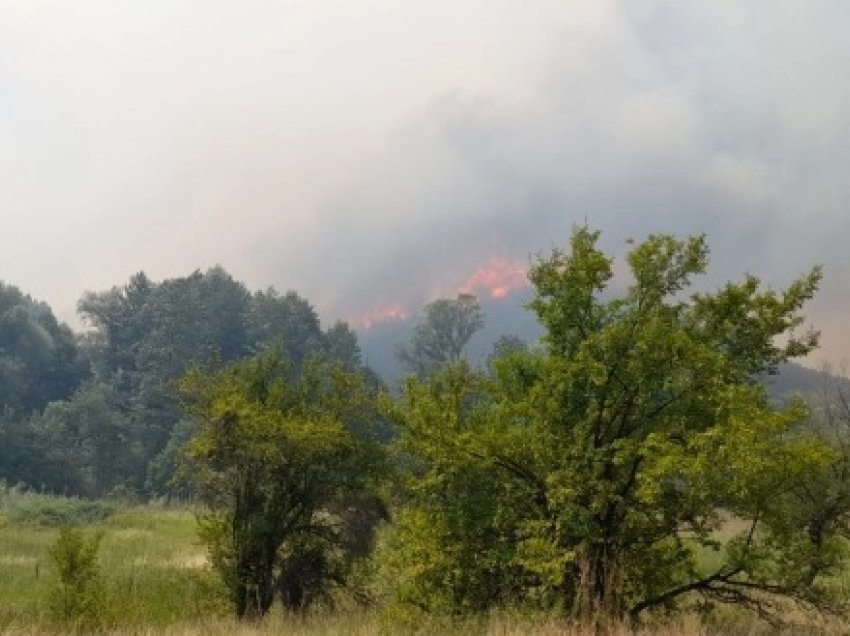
(506, 345)
(287, 321)
(40, 361)
(621, 447)
(147, 335)
(276, 462)
(39, 357)
(89, 432)
(25, 456)
(442, 335)
(341, 345)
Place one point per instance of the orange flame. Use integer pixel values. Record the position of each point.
(382, 313)
(497, 278)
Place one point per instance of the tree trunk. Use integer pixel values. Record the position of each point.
(253, 592)
(240, 600)
(599, 589)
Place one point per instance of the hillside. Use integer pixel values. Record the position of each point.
(510, 317)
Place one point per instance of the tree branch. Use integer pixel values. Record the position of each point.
(722, 575)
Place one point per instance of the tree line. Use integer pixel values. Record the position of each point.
(98, 413)
(629, 461)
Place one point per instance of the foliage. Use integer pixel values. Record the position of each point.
(608, 457)
(22, 506)
(341, 345)
(21, 455)
(78, 596)
(56, 512)
(88, 414)
(453, 547)
(39, 357)
(442, 335)
(93, 440)
(286, 321)
(816, 525)
(277, 463)
(147, 335)
(39, 362)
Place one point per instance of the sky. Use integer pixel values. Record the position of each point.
(374, 155)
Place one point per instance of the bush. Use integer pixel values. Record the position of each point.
(78, 595)
(52, 511)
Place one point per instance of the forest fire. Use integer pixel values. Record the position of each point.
(498, 278)
(383, 313)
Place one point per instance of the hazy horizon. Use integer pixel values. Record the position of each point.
(375, 155)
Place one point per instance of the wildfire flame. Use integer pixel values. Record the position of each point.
(383, 313)
(498, 278)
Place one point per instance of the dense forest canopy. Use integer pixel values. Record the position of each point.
(98, 412)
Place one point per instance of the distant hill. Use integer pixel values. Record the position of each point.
(509, 316)
(794, 378)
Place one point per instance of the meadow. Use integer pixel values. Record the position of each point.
(154, 571)
(157, 581)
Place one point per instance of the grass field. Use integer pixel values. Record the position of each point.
(157, 581)
(154, 571)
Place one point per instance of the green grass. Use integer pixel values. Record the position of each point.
(154, 571)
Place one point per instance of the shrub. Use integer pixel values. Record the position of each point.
(53, 512)
(78, 595)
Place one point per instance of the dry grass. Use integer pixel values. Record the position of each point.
(371, 624)
(354, 623)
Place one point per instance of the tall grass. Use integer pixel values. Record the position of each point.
(370, 624)
(156, 580)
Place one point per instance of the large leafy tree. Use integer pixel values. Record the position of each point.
(611, 459)
(442, 334)
(147, 335)
(287, 481)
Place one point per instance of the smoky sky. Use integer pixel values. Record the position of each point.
(378, 153)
